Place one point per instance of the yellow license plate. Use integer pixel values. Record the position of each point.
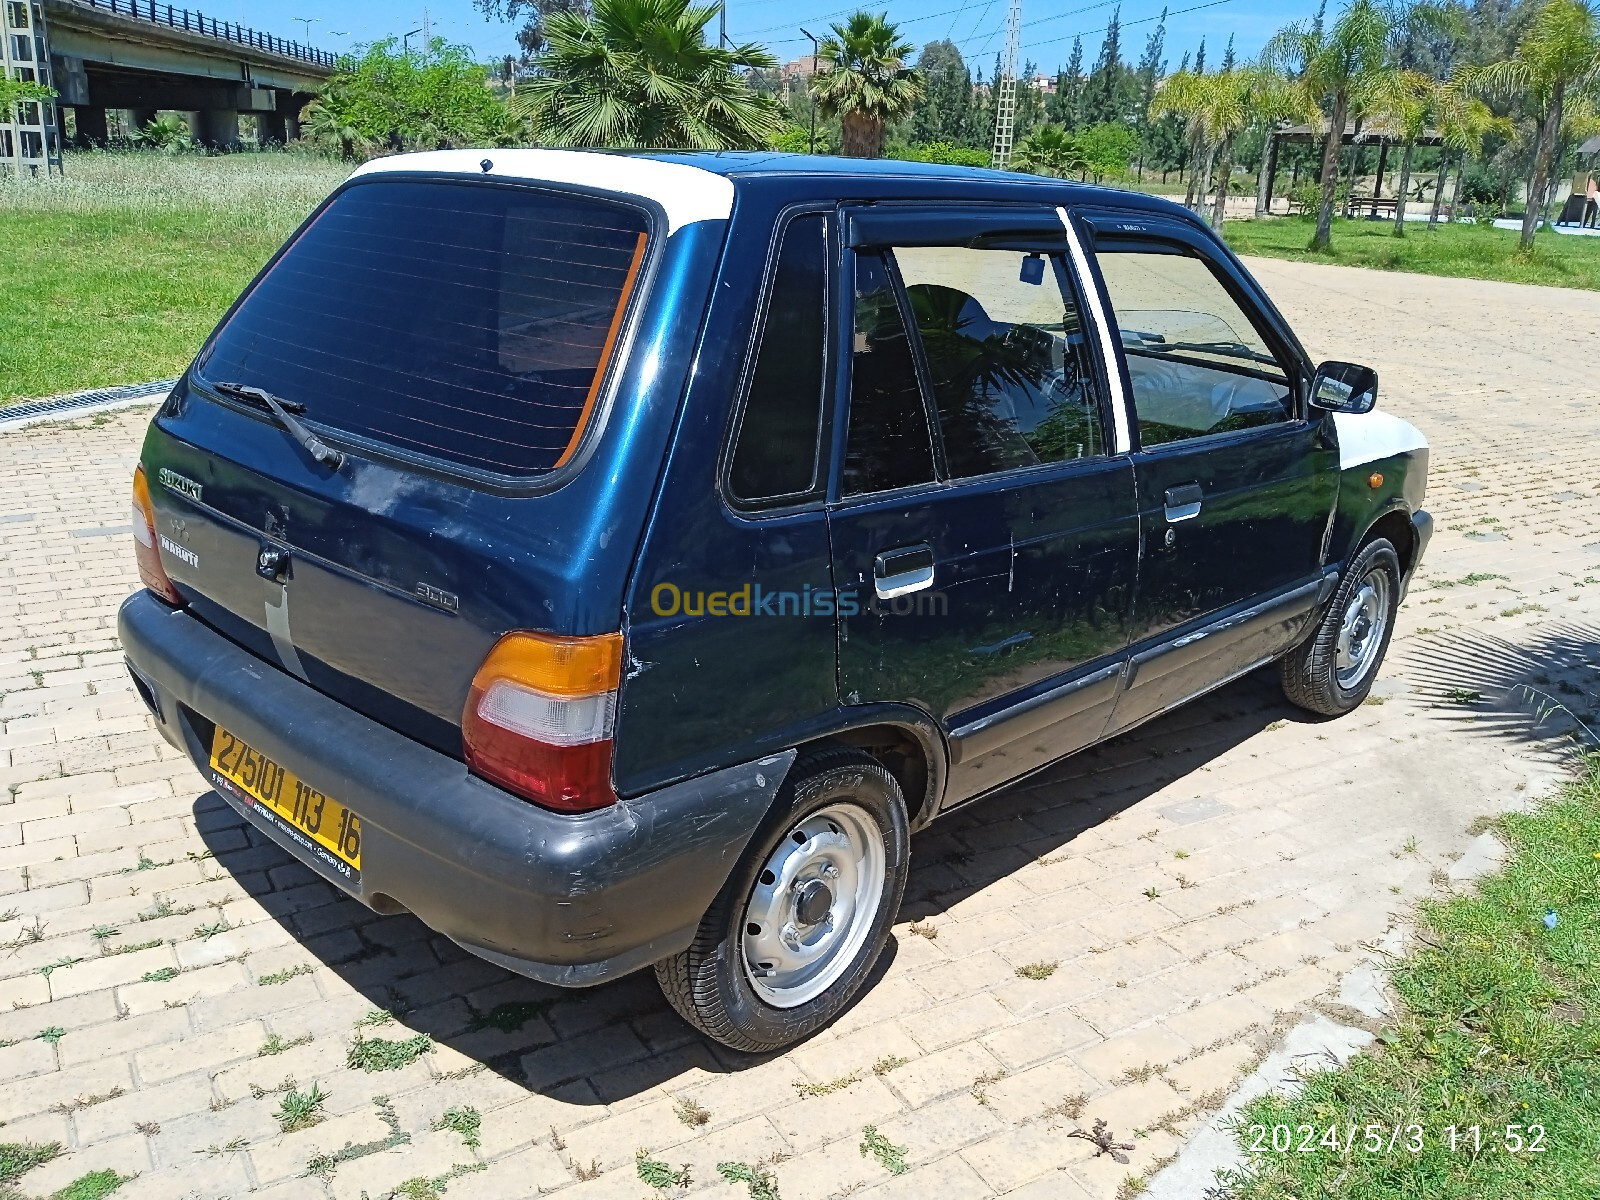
(317, 822)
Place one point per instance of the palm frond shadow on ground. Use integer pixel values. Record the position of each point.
(1544, 692)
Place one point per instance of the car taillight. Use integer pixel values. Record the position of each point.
(539, 718)
(145, 546)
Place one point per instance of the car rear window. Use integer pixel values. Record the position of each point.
(465, 322)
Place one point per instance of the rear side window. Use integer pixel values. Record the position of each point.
(1006, 356)
(468, 323)
(780, 433)
(888, 444)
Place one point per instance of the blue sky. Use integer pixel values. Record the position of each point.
(976, 26)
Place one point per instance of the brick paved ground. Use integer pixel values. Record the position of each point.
(164, 973)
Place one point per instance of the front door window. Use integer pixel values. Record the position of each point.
(1197, 364)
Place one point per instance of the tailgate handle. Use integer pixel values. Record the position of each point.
(905, 569)
(1183, 502)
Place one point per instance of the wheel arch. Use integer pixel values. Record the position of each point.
(906, 741)
(1395, 524)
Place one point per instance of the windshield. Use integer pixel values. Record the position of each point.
(464, 322)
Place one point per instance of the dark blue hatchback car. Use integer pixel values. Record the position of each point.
(613, 559)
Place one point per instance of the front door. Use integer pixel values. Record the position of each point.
(1236, 486)
(983, 531)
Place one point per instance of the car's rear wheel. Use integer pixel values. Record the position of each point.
(797, 928)
(1332, 671)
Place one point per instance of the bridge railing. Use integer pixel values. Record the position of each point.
(228, 31)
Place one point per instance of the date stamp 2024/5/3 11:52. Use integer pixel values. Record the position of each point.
(1396, 1138)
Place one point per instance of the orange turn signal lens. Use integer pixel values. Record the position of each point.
(1375, 480)
(146, 545)
(557, 666)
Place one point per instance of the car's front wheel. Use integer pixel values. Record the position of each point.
(1332, 671)
(797, 928)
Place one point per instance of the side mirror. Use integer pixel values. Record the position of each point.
(1343, 387)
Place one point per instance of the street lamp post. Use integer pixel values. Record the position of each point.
(405, 41)
(308, 22)
(815, 49)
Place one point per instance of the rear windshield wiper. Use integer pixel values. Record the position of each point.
(284, 411)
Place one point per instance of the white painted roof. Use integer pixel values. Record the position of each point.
(688, 194)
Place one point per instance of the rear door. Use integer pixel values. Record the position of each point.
(1236, 486)
(983, 529)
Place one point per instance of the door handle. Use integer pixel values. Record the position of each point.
(1183, 502)
(904, 569)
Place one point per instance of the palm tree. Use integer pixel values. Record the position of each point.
(1464, 123)
(333, 123)
(640, 73)
(862, 79)
(1340, 67)
(1218, 107)
(1051, 150)
(1557, 59)
(1405, 101)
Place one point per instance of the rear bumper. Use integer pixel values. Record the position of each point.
(570, 900)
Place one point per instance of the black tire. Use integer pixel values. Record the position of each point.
(1310, 672)
(709, 983)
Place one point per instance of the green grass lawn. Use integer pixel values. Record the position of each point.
(1500, 1026)
(1462, 250)
(117, 273)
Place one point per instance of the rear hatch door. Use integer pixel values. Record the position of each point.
(452, 339)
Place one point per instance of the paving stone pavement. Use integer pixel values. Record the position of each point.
(167, 977)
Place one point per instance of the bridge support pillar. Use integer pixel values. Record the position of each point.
(92, 130)
(138, 118)
(219, 127)
(271, 127)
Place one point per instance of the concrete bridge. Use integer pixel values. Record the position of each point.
(138, 56)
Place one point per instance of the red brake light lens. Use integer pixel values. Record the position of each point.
(146, 549)
(539, 718)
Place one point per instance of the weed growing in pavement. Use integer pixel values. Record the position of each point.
(889, 1062)
(96, 1185)
(300, 1110)
(463, 1121)
(18, 1158)
(807, 1089)
(982, 1084)
(286, 974)
(1037, 970)
(585, 1174)
(161, 975)
(759, 1182)
(924, 929)
(890, 1157)
(656, 1174)
(1070, 1107)
(52, 1035)
(510, 1017)
(691, 1112)
(277, 1044)
(380, 1054)
(134, 947)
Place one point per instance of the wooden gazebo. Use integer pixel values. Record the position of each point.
(1356, 133)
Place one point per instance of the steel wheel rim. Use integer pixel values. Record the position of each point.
(1362, 627)
(833, 860)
